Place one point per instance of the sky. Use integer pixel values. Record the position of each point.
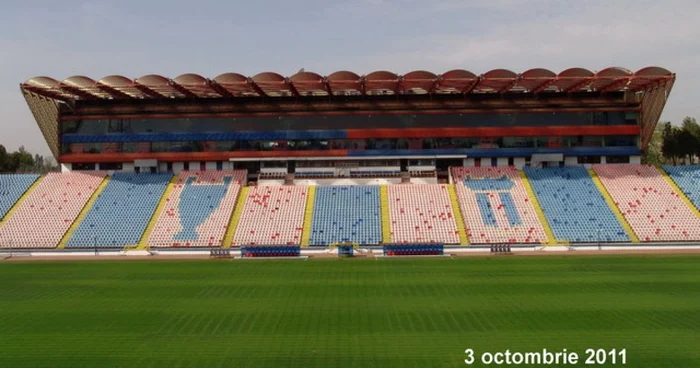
(134, 38)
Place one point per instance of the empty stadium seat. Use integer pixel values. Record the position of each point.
(649, 203)
(687, 177)
(272, 215)
(12, 186)
(421, 214)
(198, 209)
(121, 211)
(575, 209)
(346, 214)
(48, 211)
(496, 207)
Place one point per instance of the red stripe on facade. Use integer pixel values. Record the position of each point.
(192, 156)
(593, 130)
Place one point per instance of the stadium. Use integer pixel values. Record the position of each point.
(433, 177)
(455, 159)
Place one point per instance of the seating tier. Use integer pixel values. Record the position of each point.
(121, 211)
(575, 209)
(346, 214)
(272, 215)
(198, 209)
(649, 203)
(421, 214)
(687, 178)
(12, 186)
(48, 211)
(496, 207)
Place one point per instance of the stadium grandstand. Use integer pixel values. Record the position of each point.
(382, 159)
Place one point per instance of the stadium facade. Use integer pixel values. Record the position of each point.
(382, 122)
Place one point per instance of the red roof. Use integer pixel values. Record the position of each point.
(343, 83)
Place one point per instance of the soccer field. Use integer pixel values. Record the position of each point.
(346, 312)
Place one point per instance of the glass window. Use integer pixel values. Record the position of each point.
(541, 141)
(322, 163)
(617, 159)
(70, 126)
(319, 122)
(111, 166)
(588, 159)
(130, 147)
(275, 164)
(84, 166)
(592, 141)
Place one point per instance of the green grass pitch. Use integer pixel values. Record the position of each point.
(346, 312)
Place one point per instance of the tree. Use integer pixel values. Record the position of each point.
(669, 146)
(692, 126)
(21, 160)
(652, 155)
(3, 159)
(686, 143)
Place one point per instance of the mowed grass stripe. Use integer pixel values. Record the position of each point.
(346, 313)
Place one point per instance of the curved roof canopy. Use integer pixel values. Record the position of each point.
(346, 83)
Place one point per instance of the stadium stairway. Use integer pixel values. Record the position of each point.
(386, 221)
(14, 188)
(686, 181)
(83, 213)
(346, 214)
(308, 216)
(551, 239)
(463, 238)
(236, 217)
(611, 204)
(654, 209)
(143, 242)
(573, 206)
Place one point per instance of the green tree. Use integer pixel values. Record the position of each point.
(21, 161)
(687, 143)
(692, 126)
(4, 159)
(669, 145)
(653, 154)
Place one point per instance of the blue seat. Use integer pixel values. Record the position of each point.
(687, 177)
(121, 212)
(12, 186)
(346, 214)
(575, 209)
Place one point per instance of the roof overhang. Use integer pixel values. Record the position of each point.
(345, 83)
(647, 88)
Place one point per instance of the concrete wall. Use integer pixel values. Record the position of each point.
(129, 167)
(519, 162)
(571, 161)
